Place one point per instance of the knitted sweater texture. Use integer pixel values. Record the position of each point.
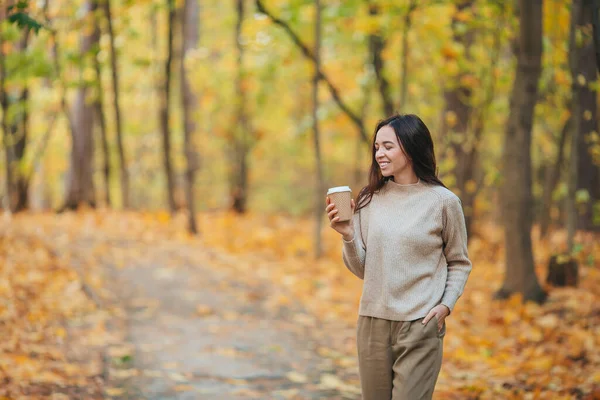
(410, 247)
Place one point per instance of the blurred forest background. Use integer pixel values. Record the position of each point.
(96, 95)
(230, 119)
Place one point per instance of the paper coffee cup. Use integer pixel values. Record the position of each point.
(341, 196)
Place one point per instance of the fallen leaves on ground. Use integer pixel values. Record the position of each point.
(51, 330)
(493, 349)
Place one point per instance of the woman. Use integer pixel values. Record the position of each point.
(408, 241)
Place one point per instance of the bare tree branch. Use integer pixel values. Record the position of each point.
(308, 54)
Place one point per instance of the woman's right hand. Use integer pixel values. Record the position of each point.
(345, 228)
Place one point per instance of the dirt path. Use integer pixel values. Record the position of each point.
(200, 332)
(176, 320)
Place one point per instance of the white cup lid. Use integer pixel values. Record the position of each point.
(339, 189)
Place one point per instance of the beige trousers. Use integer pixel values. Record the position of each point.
(399, 360)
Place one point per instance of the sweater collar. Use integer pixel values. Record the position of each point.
(404, 188)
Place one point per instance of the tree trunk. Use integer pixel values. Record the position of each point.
(241, 130)
(21, 130)
(571, 206)
(596, 24)
(57, 70)
(552, 178)
(22, 180)
(563, 271)
(376, 46)
(457, 115)
(99, 107)
(80, 183)
(405, 53)
(471, 166)
(38, 153)
(190, 37)
(320, 193)
(585, 116)
(520, 274)
(22, 134)
(8, 148)
(124, 174)
(358, 170)
(165, 110)
(16, 131)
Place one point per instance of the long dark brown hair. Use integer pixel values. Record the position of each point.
(417, 145)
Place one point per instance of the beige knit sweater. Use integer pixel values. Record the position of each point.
(414, 255)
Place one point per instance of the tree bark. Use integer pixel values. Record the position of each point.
(479, 118)
(241, 130)
(8, 148)
(596, 25)
(552, 178)
(315, 121)
(165, 110)
(585, 118)
(405, 52)
(123, 171)
(358, 170)
(562, 272)
(16, 132)
(517, 210)
(105, 153)
(190, 37)
(458, 104)
(22, 180)
(80, 182)
(38, 153)
(377, 45)
(571, 207)
(20, 137)
(99, 108)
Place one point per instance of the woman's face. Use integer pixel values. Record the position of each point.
(388, 153)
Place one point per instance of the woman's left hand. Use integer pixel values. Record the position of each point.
(441, 311)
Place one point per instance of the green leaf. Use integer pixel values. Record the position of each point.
(142, 62)
(24, 21)
(590, 260)
(21, 5)
(126, 358)
(582, 196)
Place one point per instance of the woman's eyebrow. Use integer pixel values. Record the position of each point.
(387, 141)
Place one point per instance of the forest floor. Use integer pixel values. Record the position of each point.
(128, 306)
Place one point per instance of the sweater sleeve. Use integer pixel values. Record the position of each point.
(354, 252)
(454, 234)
